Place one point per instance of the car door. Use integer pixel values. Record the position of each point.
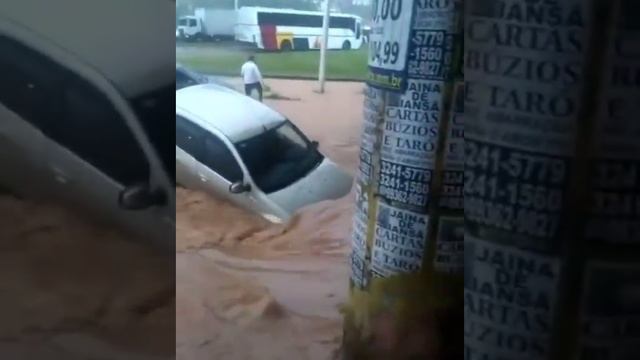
(94, 155)
(219, 168)
(206, 162)
(27, 109)
(189, 145)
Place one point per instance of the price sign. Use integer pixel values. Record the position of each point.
(389, 43)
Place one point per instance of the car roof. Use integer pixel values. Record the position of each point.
(236, 116)
(202, 78)
(128, 42)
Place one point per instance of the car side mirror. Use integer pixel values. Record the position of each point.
(315, 144)
(239, 187)
(140, 197)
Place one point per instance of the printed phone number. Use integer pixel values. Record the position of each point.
(404, 184)
(405, 172)
(404, 197)
(428, 70)
(431, 55)
(515, 164)
(506, 217)
(524, 195)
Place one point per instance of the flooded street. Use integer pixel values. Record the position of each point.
(71, 289)
(247, 289)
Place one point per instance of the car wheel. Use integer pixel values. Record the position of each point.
(286, 45)
(346, 45)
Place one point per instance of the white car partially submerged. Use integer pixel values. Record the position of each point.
(234, 147)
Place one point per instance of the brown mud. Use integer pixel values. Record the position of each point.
(247, 289)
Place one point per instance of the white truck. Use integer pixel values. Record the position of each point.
(207, 24)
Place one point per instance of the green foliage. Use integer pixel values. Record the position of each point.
(341, 65)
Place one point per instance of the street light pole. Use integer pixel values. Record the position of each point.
(323, 45)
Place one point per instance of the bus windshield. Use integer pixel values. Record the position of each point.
(278, 157)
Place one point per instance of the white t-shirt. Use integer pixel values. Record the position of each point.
(251, 73)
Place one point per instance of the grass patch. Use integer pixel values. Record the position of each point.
(216, 60)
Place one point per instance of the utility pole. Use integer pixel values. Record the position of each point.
(323, 45)
(408, 229)
(570, 247)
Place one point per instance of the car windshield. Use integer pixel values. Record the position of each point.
(155, 111)
(278, 157)
(182, 22)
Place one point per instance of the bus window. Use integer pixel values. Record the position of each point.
(340, 22)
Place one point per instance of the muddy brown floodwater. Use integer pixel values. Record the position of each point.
(247, 289)
(71, 289)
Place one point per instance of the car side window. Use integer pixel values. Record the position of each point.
(208, 149)
(70, 112)
(220, 159)
(29, 84)
(92, 128)
(189, 137)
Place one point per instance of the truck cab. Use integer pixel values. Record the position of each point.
(189, 28)
(214, 24)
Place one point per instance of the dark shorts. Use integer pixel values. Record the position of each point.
(248, 89)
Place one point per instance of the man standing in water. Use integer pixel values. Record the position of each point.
(252, 77)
